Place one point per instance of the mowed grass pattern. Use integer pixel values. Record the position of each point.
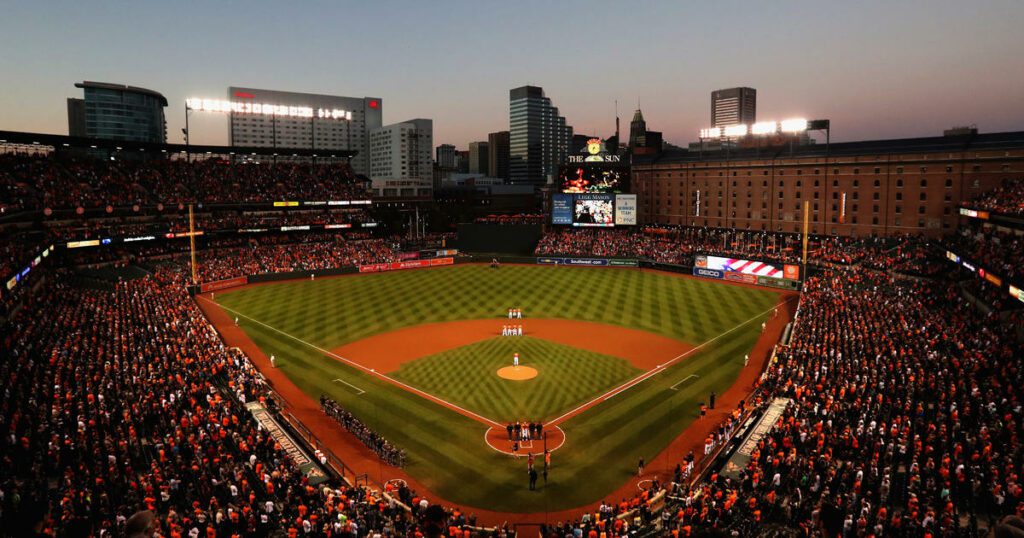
(446, 449)
(334, 311)
(468, 377)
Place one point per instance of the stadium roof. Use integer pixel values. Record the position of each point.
(121, 87)
(62, 141)
(980, 142)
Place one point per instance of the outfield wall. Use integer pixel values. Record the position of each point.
(765, 281)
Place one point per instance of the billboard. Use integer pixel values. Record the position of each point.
(561, 209)
(591, 210)
(747, 267)
(625, 210)
(708, 273)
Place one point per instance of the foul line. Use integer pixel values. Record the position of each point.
(361, 391)
(371, 371)
(657, 369)
(687, 378)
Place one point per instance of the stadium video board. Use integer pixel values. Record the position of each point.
(593, 178)
(593, 210)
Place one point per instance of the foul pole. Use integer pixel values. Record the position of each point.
(192, 243)
(807, 211)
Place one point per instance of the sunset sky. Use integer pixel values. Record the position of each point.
(876, 69)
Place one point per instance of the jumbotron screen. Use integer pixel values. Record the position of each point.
(594, 210)
(594, 178)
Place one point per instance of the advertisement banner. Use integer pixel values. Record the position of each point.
(625, 210)
(773, 282)
(624, 263)
(574, 261)
(561, 209)
(791, 272)
(374, 267)
(223, 284)
(740, 277)
(748, 267)
(408, 255)
(408, 264)
(708, 273)
(302, 460)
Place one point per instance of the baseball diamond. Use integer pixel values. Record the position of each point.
(428, 377)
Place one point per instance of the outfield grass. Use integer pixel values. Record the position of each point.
(446, 449)
(466, 376)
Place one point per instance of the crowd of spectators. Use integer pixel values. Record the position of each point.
(121, 401)
(1008, 199)
(679, 245)
(1001, 252)
(56, 181)
(386, 451)
(316, 252)
(904, 417)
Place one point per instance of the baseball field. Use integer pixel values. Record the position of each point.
(616, 363)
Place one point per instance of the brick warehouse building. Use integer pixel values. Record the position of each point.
(877, 187)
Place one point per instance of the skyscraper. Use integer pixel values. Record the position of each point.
(733, 106)
(497, 145)
(637, 129)
(479, 155)
(538, 137)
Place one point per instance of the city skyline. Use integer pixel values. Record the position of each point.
(876, 70)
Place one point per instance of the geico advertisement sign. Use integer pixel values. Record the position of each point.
(707, 273)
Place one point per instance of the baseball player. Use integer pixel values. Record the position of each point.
(520, 330)
(504, 330)
(515, 360)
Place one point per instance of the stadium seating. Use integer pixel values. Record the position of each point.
(905, 401)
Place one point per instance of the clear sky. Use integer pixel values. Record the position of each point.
(876, 69)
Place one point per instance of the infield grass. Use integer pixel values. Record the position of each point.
(446, 449)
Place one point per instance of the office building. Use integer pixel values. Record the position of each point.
(445, 156)
(118, 112)
(262, 130)
(538, 137)
(733, 106)
(479, 155)
(866, 188)
(400, 163)
(497, 145)
(637, 129)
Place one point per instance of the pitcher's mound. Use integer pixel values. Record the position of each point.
(517, 373)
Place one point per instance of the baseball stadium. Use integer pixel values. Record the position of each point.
(491, 309)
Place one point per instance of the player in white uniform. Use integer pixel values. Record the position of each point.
(515, 360)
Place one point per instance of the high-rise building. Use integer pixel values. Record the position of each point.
(262, 130)
(538, 137)
(445, 156)
(637, 129)
(118, 112)
(497, 145)
(462, 162)
(400, 163)
(733, 106)
(479, 155)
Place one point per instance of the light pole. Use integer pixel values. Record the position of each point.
(185, 132)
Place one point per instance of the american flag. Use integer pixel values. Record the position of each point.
(748, 267)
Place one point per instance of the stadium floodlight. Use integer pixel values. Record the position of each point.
(794, 125)
(764, 128)
(713, 132)
(736, 130)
